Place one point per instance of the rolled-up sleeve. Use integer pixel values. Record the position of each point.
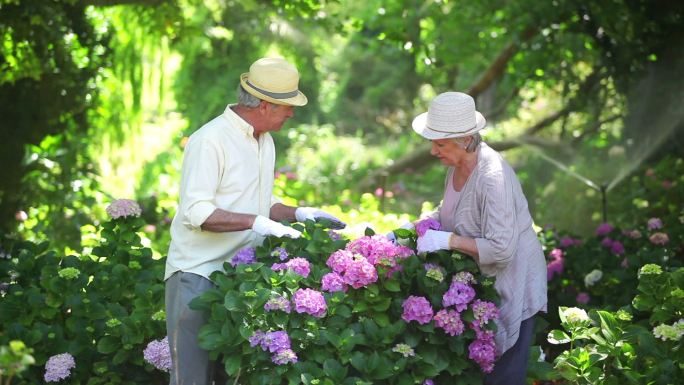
(201, 176)
(498, 243)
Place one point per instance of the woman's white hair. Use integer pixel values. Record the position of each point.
(474, 143)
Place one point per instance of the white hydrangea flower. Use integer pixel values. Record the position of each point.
(593, 277)
(670, 332)
(575, 315)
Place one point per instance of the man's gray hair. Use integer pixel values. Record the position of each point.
(246, 99)
(472, 146)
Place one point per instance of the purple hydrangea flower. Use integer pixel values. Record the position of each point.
(603, 229)
(58, 367)
(277, 302)
(566, 242)
(310, 301)
(245, 256)
(300, 266)
(427, 224)
(654, 224)
(484, 353)
(284, 356)
(428, 382)
(607, 242)
(158, 354)
(122, 208)
(417, 309)
(582, 298)
(280, 252)
(275, 341)
(333, 282)
(458, 295)
(617, 248)
(450, 321)
(334, 235)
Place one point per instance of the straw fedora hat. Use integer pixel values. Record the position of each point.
(450, 115)
(274, 80)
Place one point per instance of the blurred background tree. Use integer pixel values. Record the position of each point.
(97, 96)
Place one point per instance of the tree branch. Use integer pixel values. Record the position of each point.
(111, 3)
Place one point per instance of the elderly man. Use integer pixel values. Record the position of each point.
(226, 203)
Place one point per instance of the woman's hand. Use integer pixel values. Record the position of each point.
(434, 240)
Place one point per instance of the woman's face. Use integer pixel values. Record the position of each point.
(447, 150)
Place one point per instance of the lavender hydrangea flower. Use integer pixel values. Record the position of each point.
(617, 248)
(245, 256)
(58, 367)
(300, 266)
(464, 277)
(458, 295)
(654, 224)
(417, 309)
(334, 235)
(122, 208)
(428, 382)
(310, 301)
(277, 302)
(275, 341)
(158, 354)
(427, 224)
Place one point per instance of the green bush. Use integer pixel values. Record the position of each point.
(101, 308)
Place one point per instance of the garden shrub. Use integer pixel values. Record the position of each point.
(101, 308)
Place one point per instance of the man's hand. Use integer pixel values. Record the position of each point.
(406, 226)
(434, 240)
(304, 213)
(265, 226)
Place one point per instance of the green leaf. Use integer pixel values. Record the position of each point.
(392, 285)
(232, 364)
(558, 337)
(107, 345)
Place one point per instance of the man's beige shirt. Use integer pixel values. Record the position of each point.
(224, 167)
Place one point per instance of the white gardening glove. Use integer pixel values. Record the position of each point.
(433, 240)
(406, 226)
(304, 213)
(264, 226)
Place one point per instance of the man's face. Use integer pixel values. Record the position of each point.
(275, 116)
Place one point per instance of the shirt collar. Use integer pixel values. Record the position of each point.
(237, 121)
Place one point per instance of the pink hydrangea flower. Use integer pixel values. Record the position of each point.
(566, 242)
(158, 354)
(417, 309)
(379, 250)
(556, 253)
(634, 234)
(450, 321)
(659, 238)
(553, 268)
(58, 367)
(340, 260)
(310, 301)
(360, 273)
(333, 282)
(122, 208)
(484, 312)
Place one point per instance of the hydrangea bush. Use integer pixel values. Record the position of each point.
(324, 310)
(617, 347)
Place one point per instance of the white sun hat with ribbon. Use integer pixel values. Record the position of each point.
(274, 80)
(450, 115)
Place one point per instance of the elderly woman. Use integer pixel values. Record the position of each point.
(485, 215)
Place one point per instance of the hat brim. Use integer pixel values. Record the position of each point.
(297, 101)
(420, 127)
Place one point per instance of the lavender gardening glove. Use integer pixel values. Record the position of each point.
(433, 240)
(264, 226)
(304, 213)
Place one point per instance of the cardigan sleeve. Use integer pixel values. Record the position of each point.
(498, 242)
